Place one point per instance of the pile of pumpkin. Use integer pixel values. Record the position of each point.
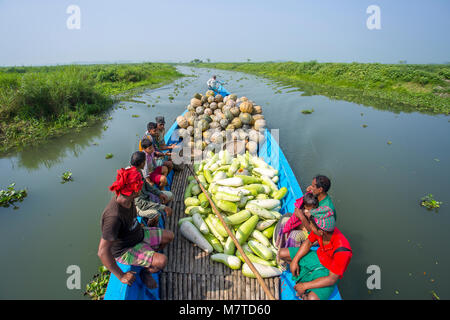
(244, 190)
(209, 117)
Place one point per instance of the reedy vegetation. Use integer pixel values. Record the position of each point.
(37, 103)
(394, 87)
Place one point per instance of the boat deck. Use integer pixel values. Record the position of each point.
(191, 275)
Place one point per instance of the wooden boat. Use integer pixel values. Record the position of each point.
(273, 155)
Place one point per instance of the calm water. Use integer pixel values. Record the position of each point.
(376, 188)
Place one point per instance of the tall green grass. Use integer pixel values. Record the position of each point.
(37, 103)
(397, 87)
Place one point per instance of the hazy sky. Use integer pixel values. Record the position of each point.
(35, 32)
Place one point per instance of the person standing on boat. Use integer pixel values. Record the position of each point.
(213, 83)
(317, 272)
(124, 239)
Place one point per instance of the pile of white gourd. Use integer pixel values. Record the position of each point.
(209, 118)
(244, 190)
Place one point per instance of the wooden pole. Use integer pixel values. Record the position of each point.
(238, 246)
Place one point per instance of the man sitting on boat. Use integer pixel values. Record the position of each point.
(124, 239)
(151, 202)
(161, 143)
(317, 272)
(213, 83)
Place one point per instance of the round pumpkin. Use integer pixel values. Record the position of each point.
(252, 147)
(196, 102)
(228, 115)
(233, 97)
(208, 111)
(198, 96)
(213, 106)
(203, 125)
(235, 111)
(258, 117)
(199, 110)
(204, 99)
(223, 123)
(246, 107)
(216, 138)
(190, 130)
(220, 105)
(230, 127)
(182, 122)
(231, 103)
(237, 123)
(210, 99)
(214, 125)
(210, 93)
(246, 118)
(257, 109)
(259, 124)
(219, 98)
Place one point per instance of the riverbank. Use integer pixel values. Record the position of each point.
(397, 88)
(40, 103)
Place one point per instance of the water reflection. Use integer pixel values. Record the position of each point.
(55, 150)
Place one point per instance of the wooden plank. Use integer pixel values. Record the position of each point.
(180, 286)
(184, 278)
(277, 288)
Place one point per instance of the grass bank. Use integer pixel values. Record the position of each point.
(394, 87)
(38, 103)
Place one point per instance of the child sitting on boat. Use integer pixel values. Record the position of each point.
(161, 158)
(153, 174)
(151, 203)
(292, 232)
(124, 239)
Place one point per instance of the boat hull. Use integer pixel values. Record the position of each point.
(273, 155)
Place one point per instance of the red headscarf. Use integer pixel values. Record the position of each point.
(128, 180)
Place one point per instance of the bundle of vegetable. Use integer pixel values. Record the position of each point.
(209, 118)
(244, 190)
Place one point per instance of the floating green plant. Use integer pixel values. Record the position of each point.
(11, 195)
(96, 288)
(364, 126)
(108, 156)
(66, 176)
(135, 116)
(389, 142)
(306, 111)
(430, 203)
